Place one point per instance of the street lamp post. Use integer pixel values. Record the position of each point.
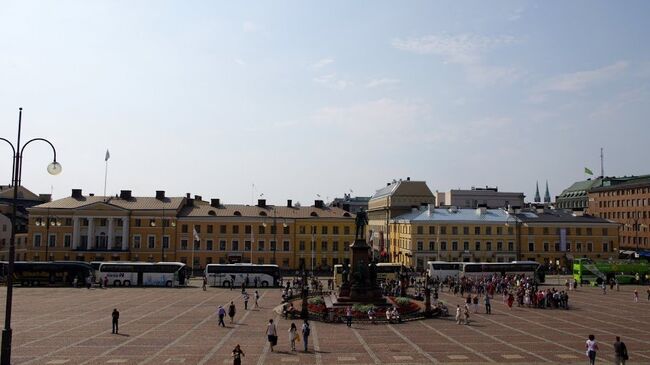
(53, 168)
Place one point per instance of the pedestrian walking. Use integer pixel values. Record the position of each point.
(205, 283)
(458, 314)
(293, 336)
(620, 352)
(75, 281)
(116, 318)
(466, 316)
(475, 303)
(648, 291)
(221, 313)
(592, 347)
(257, 298)
(237, 353)
(306, 331)
(348, 315)
(272, 334)
(604, 287)
(105, 282)
(246, 298)
(488, 307)
(231, 311)
(89, 282)
(636, 296)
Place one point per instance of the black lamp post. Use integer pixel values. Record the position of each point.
(54, 169)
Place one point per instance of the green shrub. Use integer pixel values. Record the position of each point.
(362, 307)
(316, 301)
(402, 301)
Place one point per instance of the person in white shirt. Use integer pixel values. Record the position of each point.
(272, 334)
(592, 347)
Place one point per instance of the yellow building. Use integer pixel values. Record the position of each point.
(496, 235)
(189, 230)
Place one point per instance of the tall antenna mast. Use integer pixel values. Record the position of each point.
(602, 166)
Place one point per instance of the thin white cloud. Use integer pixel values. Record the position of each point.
(382, 82)
(250, 27)
(239, 61)
(322, 63)
(466, 50)
(581, 80)
(333, 81)
(516, 14)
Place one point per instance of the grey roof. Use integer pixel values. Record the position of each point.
(204, 209)
(135, 203)
(386, 190)
(558, 216)
(456, 215)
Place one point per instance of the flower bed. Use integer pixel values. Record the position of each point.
(405, 306)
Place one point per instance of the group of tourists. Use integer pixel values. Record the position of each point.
(294, 336)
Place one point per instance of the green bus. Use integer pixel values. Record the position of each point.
(595, 272)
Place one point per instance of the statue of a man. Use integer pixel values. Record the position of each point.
(361, 221)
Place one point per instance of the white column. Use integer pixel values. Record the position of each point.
(91, 233)
(75, 233)
(110, 233)
(125, 233)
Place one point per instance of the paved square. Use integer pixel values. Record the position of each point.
(179, 326)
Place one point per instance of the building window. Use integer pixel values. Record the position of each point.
(346, 230)
(590, 247)
(302, 230)
(208, 245)
(545, 246)
(499, 246)
(432, 229)
(52, 240)
(488, 230)
(248, 229)
(545, 231)
(235, 229)
(477, 231)
(605, 233)
(605, 247)
(443, 246)
(235, 245)
(488, 246)
(37, 240)
(183, 244)
(184, 228)
(286, 230)
(324, 230)
(67, 240)
(511, 246)
(197, 228)
(285, 246)
(477, 246)
(323, 246)
(273, 246)
(443, 230)
(151, 241)
(301, 246)
(136, 241)
(432, 245)
(454, 245)
(335, 246)
(247, 245)
(165, 242)
(499, 230)
(557, 246)
(138, 223)
(346, 246)
(578, 231)
(260, 245)
(465, 246)
(210, 229)
(589, 232)
(260, 229)
(197, 245)
(420, 246)
(531, 246)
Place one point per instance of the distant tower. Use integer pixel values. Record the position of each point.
(547, 195)
(537, 198)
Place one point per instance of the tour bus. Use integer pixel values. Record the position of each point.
(595, 272)
(234, 275)
(48, 273)
(95, 265)
(143, 273)
(443, 269)
(481, 269)
(385, 271)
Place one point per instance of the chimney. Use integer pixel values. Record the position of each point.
(189, 202)
(516, 209)
(431, 209)
(414, 209)
(198, 197)
(482, 209)
(76, 193)
(261, 203)
(289, 203)
(125, 194)
(215, 203)
(45, 197)
(408, 178)
(160, 194)
(346, 207)
(318, 204)
(91, 194)
(188, 196)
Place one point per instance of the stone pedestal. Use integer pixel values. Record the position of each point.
(362, 285)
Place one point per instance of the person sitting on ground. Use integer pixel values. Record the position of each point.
(395, 315)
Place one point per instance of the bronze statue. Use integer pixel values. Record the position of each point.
(346, 272)
(361, 221)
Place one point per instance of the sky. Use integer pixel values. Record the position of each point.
(304, 100)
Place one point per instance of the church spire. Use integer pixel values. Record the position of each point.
(547, 195)
(537, 198)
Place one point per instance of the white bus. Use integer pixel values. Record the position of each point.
(443, 269)
(143, 273)
(227, 275)
(482, 269)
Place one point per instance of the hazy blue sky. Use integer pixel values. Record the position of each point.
(304, 98)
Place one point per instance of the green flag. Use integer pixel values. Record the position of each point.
(588, 172)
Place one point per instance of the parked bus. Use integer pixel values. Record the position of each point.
(481, 269)
(143, 273)
(48, 273)
(595, 272)
(227, 275)
(443, 269)
(385, 271)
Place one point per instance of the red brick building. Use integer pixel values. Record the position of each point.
(626, 201)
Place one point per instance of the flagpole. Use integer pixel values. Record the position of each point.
(105, 178)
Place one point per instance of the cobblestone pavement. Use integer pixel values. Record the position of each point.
(179, 326)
